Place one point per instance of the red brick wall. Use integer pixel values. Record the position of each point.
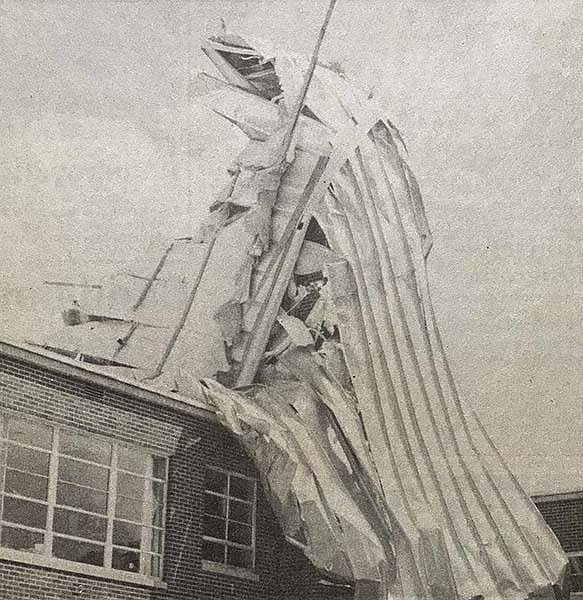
(194, 443)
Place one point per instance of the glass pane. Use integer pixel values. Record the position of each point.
(26, 459)
(31, 434)
(159, 467)
(82, 446)
(92, 476)
(80, 524)
(241, 488)
(130, 486)
(127, 534)
(21, 539)
(158, 506)
(214, 527)
(80, 497)
(24, 512)
(126, 560)
(240, 534)
(152, 564)
(216, 481)
(239, 557)
(24, 484)
(156, 541)
(129, 509)
(576, 565)
(82, 552)
(131, 459)
(215, 505)
(240, 511)
(213, 551)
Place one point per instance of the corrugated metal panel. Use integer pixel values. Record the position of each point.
(438, 470)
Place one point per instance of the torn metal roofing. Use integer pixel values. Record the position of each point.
(303, 306)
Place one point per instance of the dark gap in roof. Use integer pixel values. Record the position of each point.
(259, 74)
(307, 112)
(316, 234)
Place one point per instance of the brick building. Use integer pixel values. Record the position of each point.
(111, 490)
(564, 514)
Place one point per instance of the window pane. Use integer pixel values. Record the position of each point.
(215, 505)
(240, 534)
(24, 484)
(159, 467)
(126, 560)
(31, 434)
(215, 527)
(156, 541)
(241, 488)
(129, 509)
(80, 473)
(26, 459)
(88, 448)
(152, 564)
(131, 459)
(127, 534)
(576, 565)
(80, 497)
(82, 552)
(238, 557)
(240, 511)
(21, 539)
(130, 486)
(213, 551)
(216, 481)
(158, 506)
(80, 524)
(24, 512)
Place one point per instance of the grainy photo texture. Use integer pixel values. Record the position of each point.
(291, 300)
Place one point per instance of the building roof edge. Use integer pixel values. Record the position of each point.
(63, 365)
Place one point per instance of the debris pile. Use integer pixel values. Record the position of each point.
(301, 312)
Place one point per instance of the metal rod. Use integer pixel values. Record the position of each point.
(308, 78)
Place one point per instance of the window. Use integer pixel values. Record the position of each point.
(576, 571)
(229, 519)
(80, 498)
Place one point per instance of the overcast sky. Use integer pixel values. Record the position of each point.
(105, 154)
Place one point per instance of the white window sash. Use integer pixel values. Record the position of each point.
(226, 543)
(146, 523)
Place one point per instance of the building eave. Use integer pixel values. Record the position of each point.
(62, 365)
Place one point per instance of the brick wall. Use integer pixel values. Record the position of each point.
(193, 443)
(565, 518)
(18, 581)
(300, 581)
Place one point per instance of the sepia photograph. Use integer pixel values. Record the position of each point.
(290, 300)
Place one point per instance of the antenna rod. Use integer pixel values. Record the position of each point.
(308, 78)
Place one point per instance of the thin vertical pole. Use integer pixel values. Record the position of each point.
(308, 78)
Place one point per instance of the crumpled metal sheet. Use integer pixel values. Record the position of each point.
(322, 504)
(373, 464)
(461, 526)
(439, 473)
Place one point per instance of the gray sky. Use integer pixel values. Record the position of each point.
(105, 154)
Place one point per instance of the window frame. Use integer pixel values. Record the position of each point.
(224, 567)
(575, 572)
(46, 558)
